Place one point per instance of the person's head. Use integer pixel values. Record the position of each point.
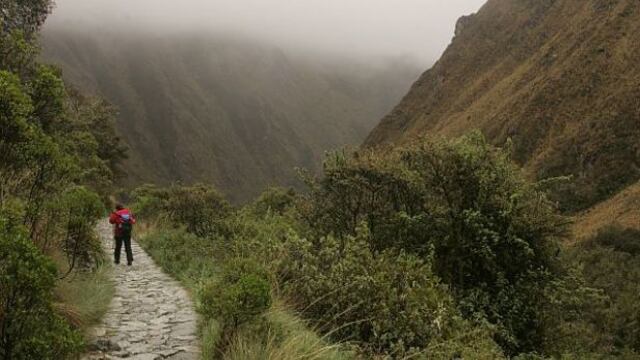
(119, 207)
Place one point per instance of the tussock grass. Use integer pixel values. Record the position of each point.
(84, 297)
(288, 337)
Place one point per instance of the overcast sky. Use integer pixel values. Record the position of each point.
(413, 28)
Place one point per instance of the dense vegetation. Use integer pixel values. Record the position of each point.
(438, 249)
(59, 158)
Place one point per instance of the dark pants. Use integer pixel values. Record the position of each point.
(126, 239)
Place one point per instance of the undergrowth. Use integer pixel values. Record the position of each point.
(278, 333)
(84, 298)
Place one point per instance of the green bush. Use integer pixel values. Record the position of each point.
(238, 295)
(610, 263)
(199, 208)
(182, 254)
(491, 234)
(389, 303)
(29, 328)
(274, 200)
(148, 202)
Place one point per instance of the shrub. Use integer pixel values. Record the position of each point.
(182, 254)
(241, 293)
(274, 200)
(491, 233)
(82, 209)
(389, 303)
(148, 201)
(29, 328)
(199, 208)
(610, 263)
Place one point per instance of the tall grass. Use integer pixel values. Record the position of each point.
(84, 297)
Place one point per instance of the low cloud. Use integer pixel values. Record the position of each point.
(418, 29)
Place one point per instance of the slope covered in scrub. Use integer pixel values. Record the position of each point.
(561, 78)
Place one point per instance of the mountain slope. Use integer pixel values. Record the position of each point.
(622, 209)
(561, 78)
(233, 112)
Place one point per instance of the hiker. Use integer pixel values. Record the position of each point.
(123, 221)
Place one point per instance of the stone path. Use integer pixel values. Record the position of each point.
(150, 317)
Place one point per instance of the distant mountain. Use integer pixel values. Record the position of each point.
(561, 78)
(234, 112)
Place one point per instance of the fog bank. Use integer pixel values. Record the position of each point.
(419, 29)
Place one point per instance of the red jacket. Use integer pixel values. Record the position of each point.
(116, 219)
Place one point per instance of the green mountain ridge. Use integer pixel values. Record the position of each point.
(233, 112)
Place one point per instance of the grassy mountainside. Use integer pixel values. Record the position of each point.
(232, 112)
(561, 78)
(623, 209)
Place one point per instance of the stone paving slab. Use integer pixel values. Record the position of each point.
(150, 317)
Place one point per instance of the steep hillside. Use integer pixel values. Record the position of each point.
(233, 112)
(561, 78)
(622, 209)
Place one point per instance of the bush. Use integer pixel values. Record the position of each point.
(148, 202)
(182, 254)
(609, 262)
(82, 209)
(199, 208)
(29, 328)
(389, 303)
(491, 234)
(241, 293)
(274, 200)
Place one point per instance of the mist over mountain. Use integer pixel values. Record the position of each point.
(225, 109)
(367, 29)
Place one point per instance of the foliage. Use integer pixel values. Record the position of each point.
(199, 208)
(391, 303)
(183, 255)
(82, 208)
(275, 200)
(29, 328)
(610, 264)
(240, 293)
(86, 296)
(26, 16)
(492, 234)
(196, 261)
(572, 316)
(54, 163)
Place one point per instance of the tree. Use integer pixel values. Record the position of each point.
(26, 16)
(29, 328)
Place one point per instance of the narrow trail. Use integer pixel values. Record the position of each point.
(150, 317)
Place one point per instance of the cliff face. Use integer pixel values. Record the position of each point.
(561, 78)
(232, 112)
